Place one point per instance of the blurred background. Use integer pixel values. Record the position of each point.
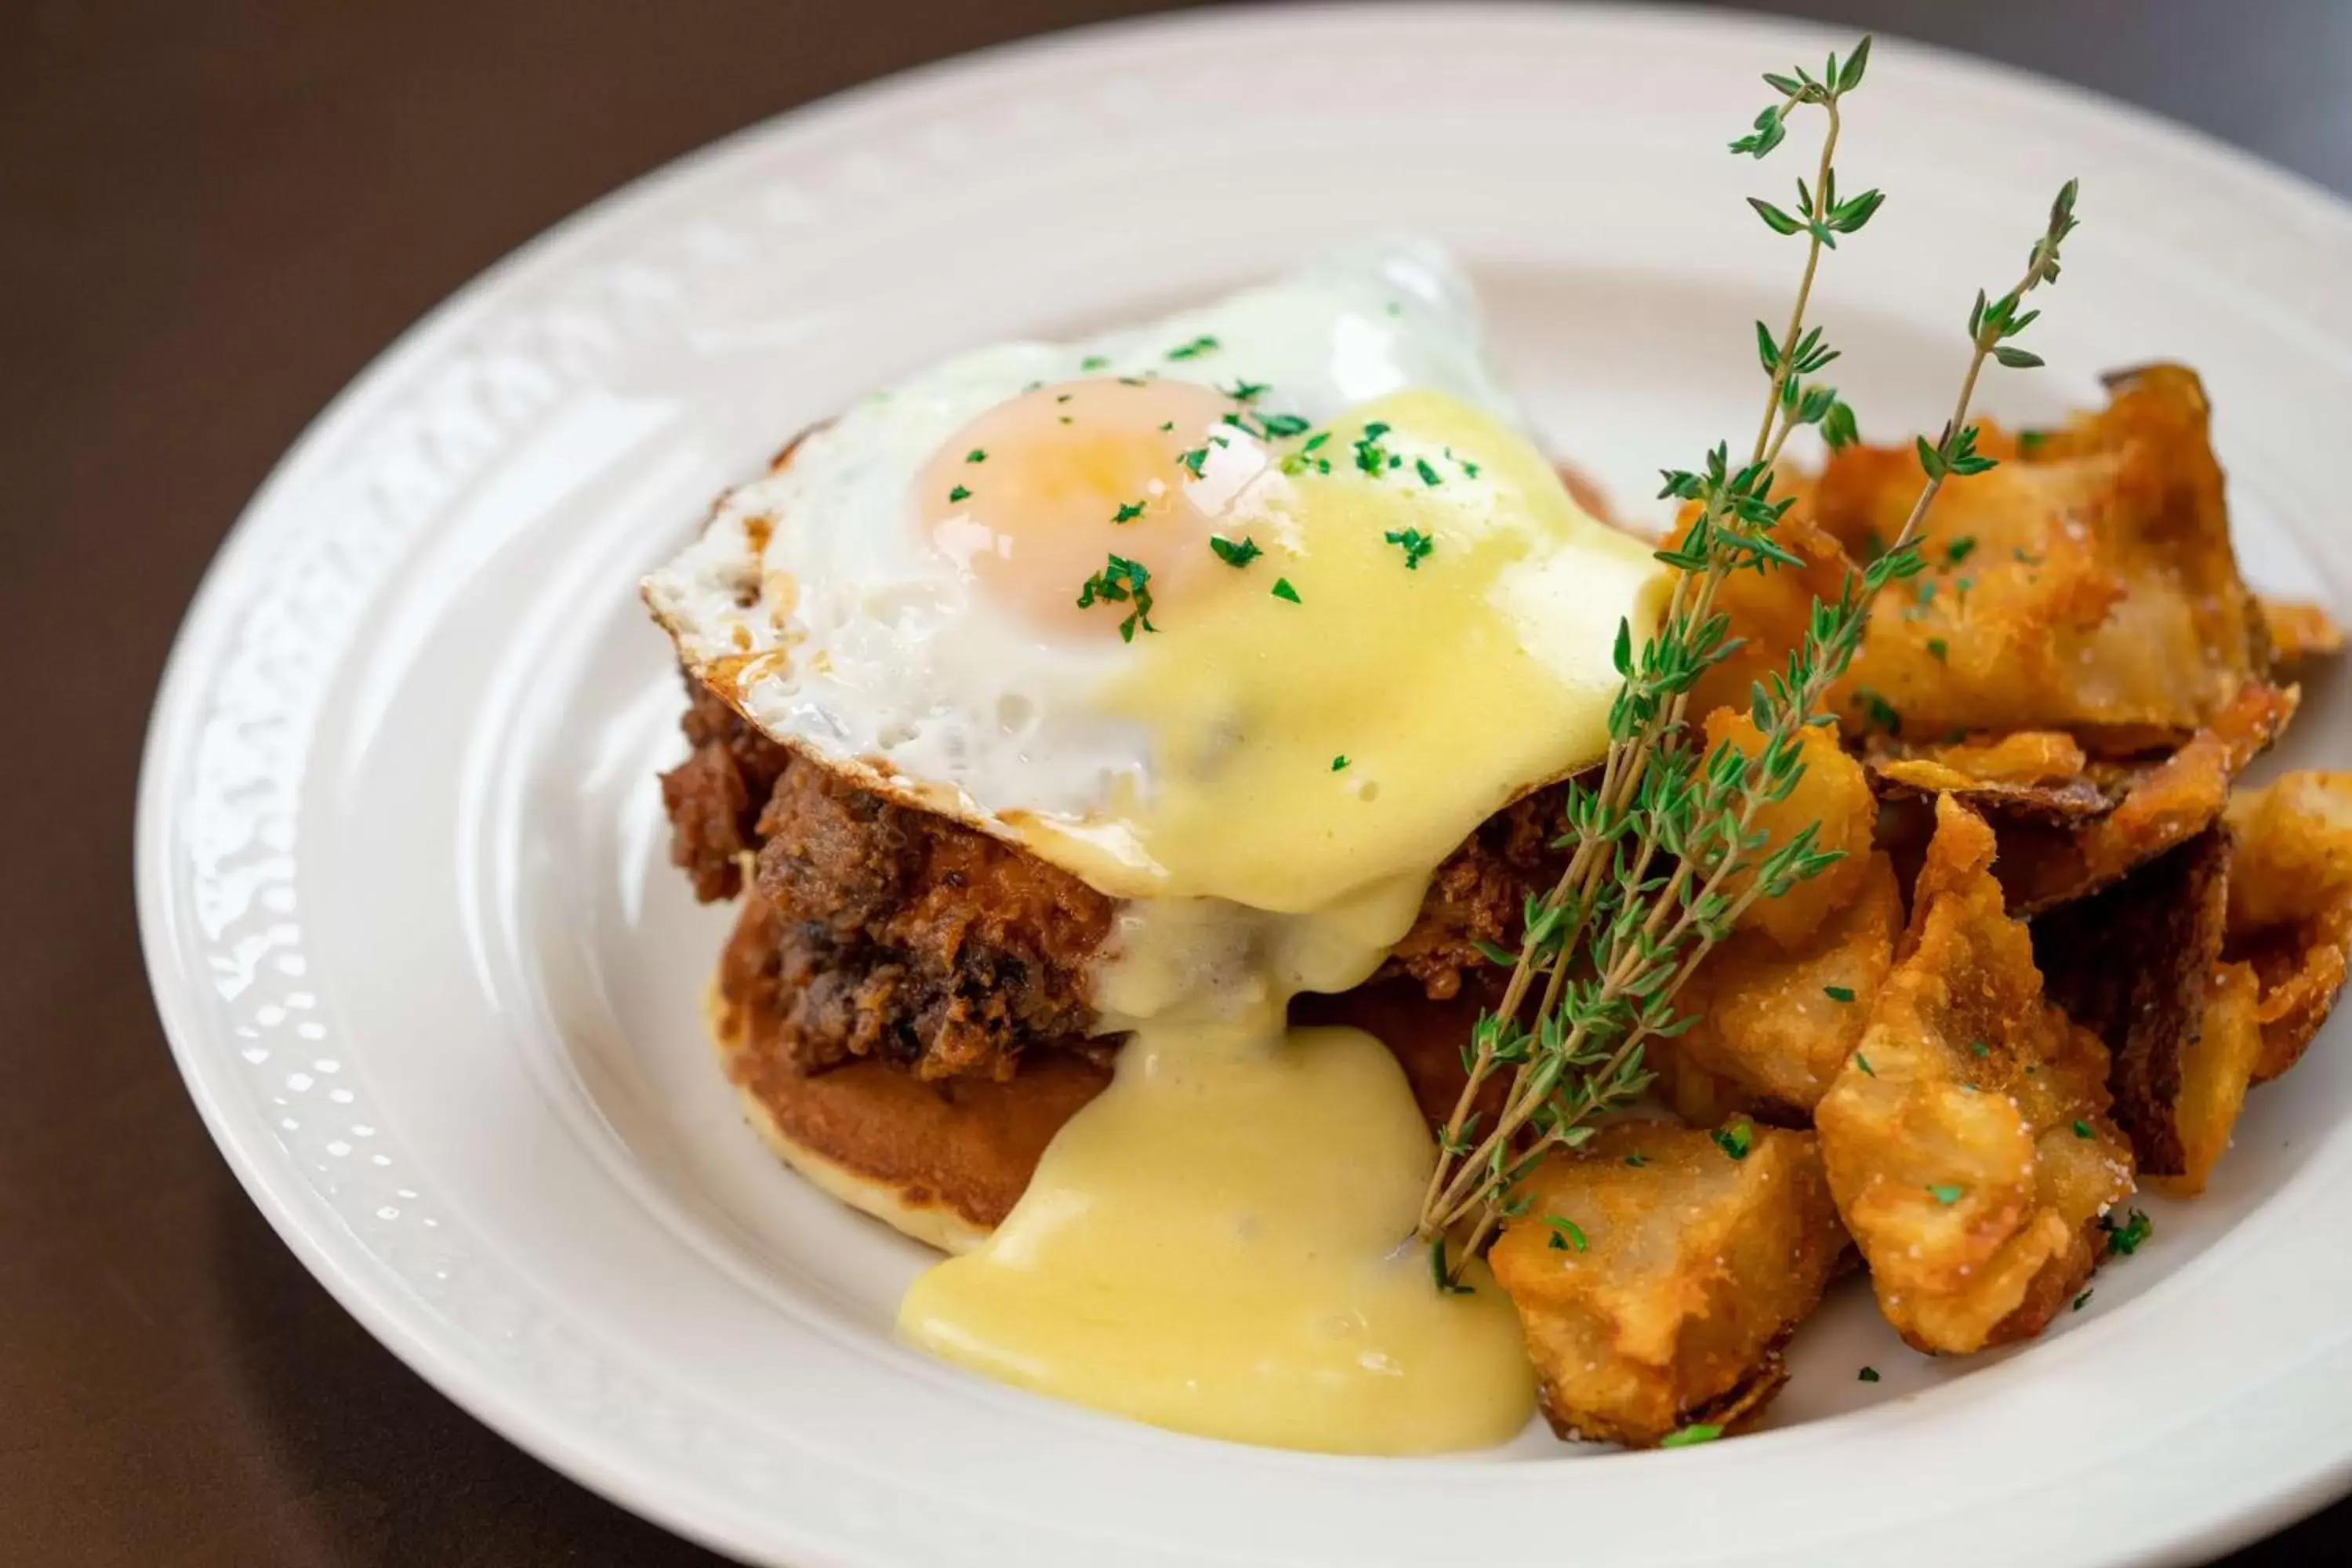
(211, 214)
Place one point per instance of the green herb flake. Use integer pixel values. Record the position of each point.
(1413, 542)
(1127, 511)
(1283, 590)
(1868, 1375)
(1244, 391)
(1947, 1194)
(1697, 1433)
(1979, 1048)
(2082, 1301)
(1959, 549)
(1737, 1139)
(1339, 762)
(1196, 349)
(1938, 651)
(1194, 461)
(1121, 582)
(1234, 553)
(1838, 993)
(1863, 1063)
(1281, 427)
(1879, 711)
(958, 493)
(2129, 1237)
(1166, 426)
(1092, 362)
(2083, 1130)
(1637, 1161)
(977, 455)
(1428, 475)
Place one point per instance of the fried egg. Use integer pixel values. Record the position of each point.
(1266, 601)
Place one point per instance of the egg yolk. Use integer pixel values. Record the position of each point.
(1038, 495)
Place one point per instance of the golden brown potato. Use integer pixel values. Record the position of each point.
(2158, 804)
(2038, 775)
(2215, 1070)
(1832, 796)
(2291, 906)
(2299, 632)
(2085, 583)
(1967, 1140)
(2134, 963)
(1769, 610)
(1773, 1027)
(1659, 1270)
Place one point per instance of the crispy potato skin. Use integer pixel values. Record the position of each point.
(2215, 1070)
(1953, 1154)
(1767, 1027)
(2290, 913)
(2133, 963)
(1695, 1269)
(2299, 632)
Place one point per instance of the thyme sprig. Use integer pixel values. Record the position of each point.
(1664, 853)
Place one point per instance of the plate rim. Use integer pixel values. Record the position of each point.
(299, 1214)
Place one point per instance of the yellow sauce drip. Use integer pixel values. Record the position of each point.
(1220, 1243)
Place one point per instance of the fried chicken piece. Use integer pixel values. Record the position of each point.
(1657, 1274)
(714, 797)
(2290, 914)
(1968, 1139)
(1773, 1029)
(2135, 964)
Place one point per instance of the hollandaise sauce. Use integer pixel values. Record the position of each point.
(1221, 1242)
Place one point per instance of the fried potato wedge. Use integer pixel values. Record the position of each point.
(2037, 774)
(1768, 609)
(2290, 914)
(1832, 796)
(2159, 804)
(2085, 583)
(1772, 1027)
(2299, 632)
(2133, 963)
(1658, 1271)
(1967, 1140)
(2215, 1072)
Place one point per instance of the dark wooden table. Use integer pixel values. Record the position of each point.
(211, 215)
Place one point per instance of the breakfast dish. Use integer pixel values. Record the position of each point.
(449, 1005)
(1063, 714)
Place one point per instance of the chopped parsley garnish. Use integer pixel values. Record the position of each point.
(1196, 349)
(1127, 511)
(1282, 426)
(1193, 459)
(1166, 425)
(1121, 582)
(1878, 711)
(1566, 1235)
(1244, 391)
(958, 493)
(2083, 1130)
(1735, 1139)
(1637, 1161)
(1428, 475)
(1283, 590)
(1863, 1063)
(2127, 1237)
(1092, 362)
(1959, 549)
(2030, 441)
(1413, 542)
(1868, 1375)
(1233, 554)
(2082, 1301)
(1370, 456)
(1838, 993)
(1979, 1048)
(1298, 462)
(1339, 762)
(1697, 1431)
(976, 455)
(1938, 651)
(1945, 1193)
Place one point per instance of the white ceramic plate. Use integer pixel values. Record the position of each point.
(401, 858)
